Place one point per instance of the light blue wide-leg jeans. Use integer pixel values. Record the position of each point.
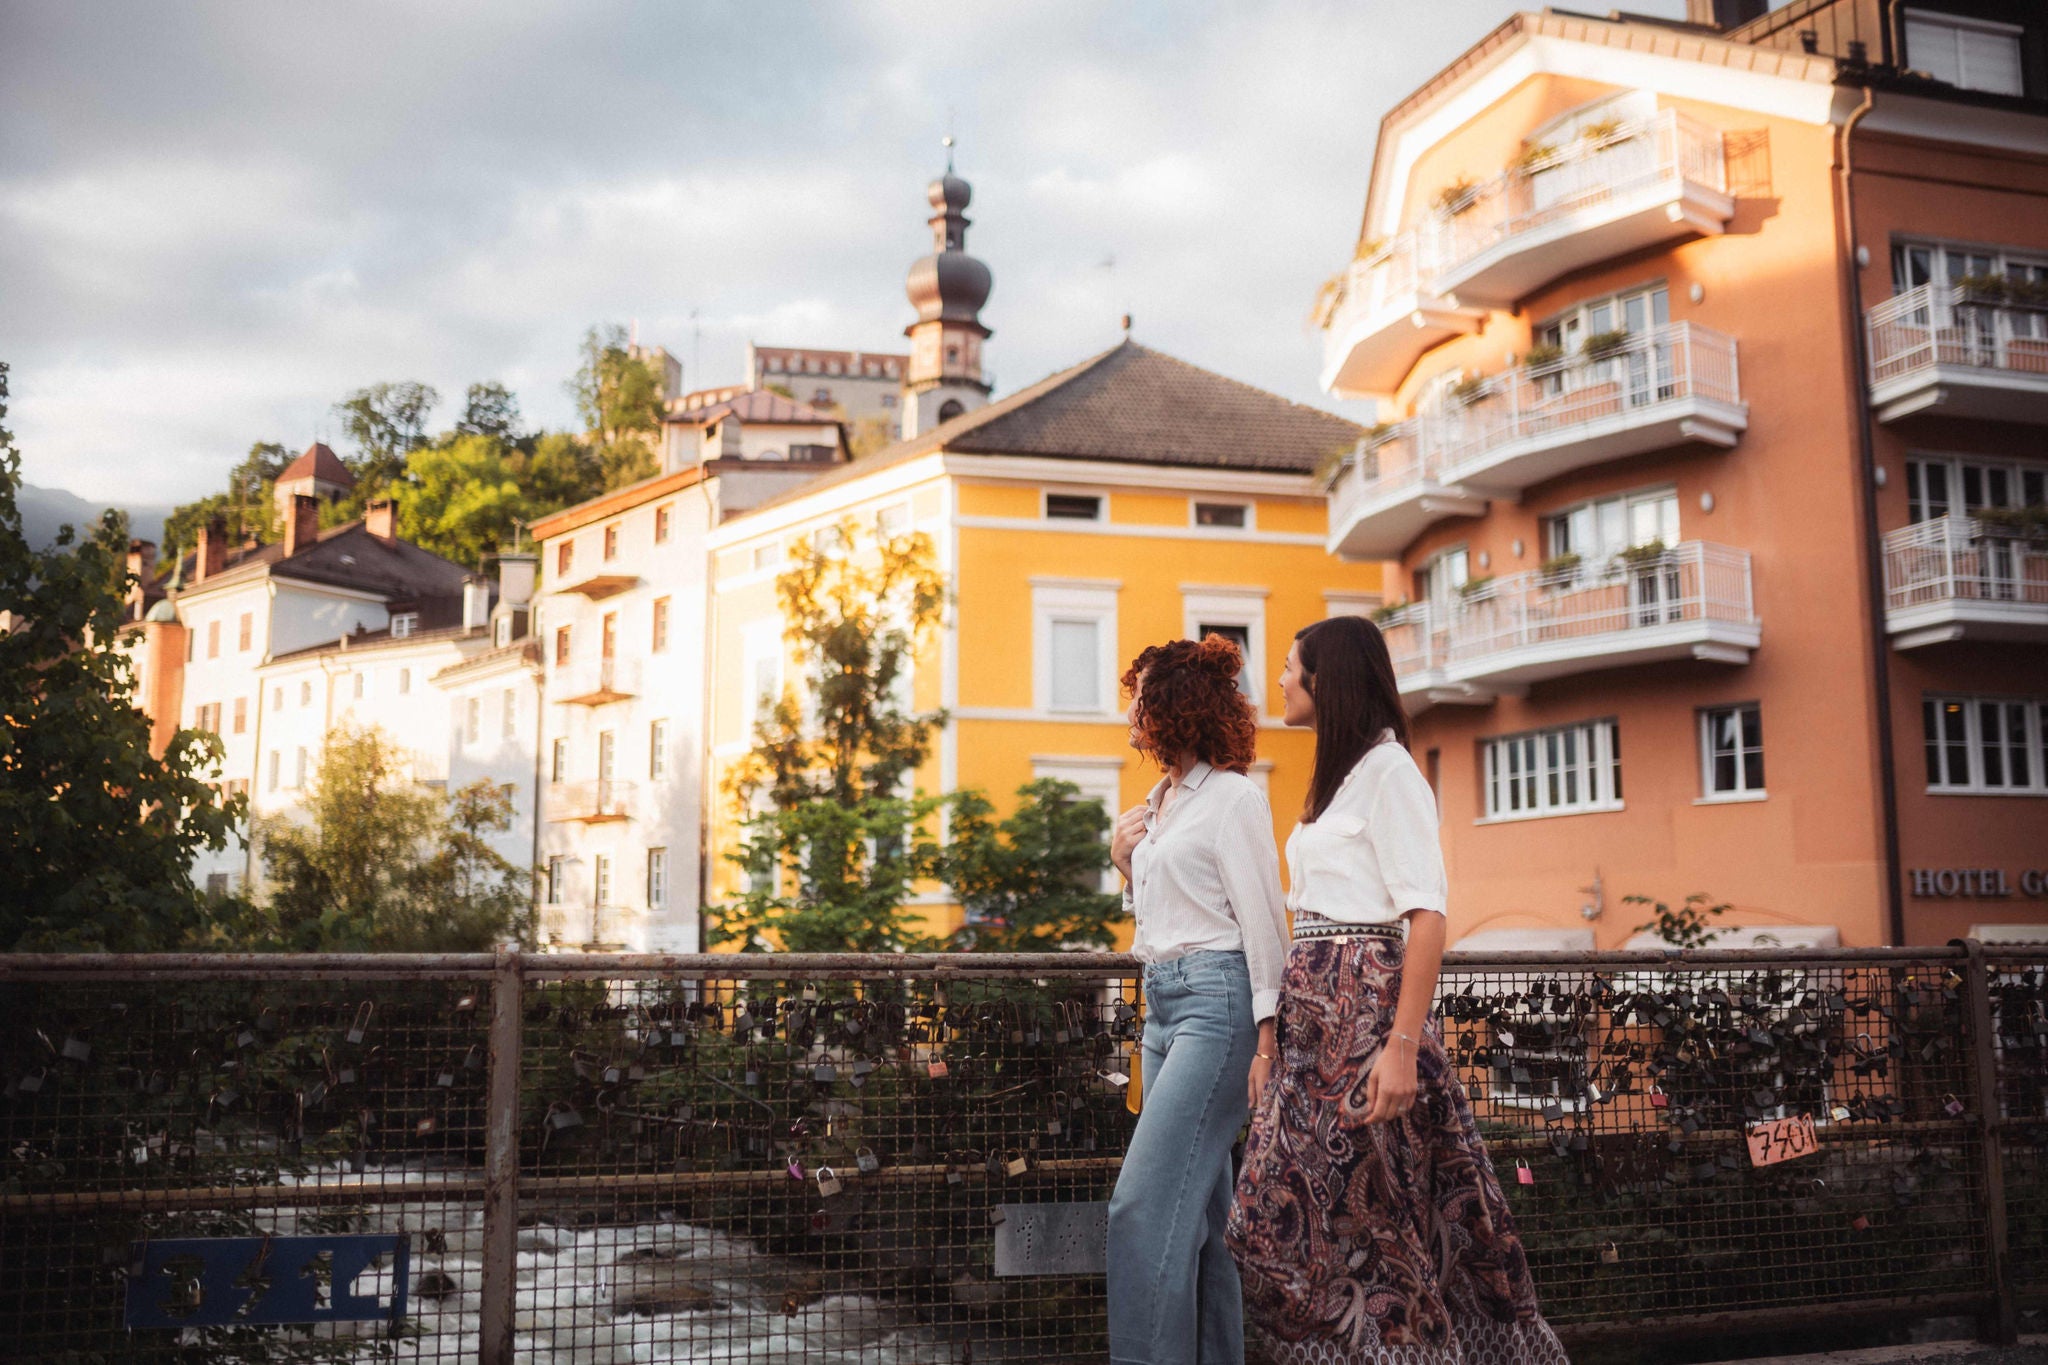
(1174, 1296)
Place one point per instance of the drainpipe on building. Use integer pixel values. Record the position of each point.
(706, 652)
(1873, 542)
(540, 702)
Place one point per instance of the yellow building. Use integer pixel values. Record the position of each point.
(1131, 499)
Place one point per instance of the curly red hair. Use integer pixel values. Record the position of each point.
(1191, 703)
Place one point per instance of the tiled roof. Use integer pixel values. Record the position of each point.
(755, 405)
(318, 462)
(1130, 405)
(345, 557)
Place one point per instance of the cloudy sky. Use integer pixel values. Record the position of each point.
(216, 219)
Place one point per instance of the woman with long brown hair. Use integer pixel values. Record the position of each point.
(1203, 878)
(1368, 1223)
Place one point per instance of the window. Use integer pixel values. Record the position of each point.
(660, 642)
(1073, 507)
(558, 761)
(611, 541)
(561, 645)
(245, 634)
(241, 715)
(893, 520)
(1074, 645)
(1563, 771)
(663, 515)
(216, 886)
(657, 879)
(828, 540)
(276, 759)
(1238, 615)
(601, 879)
(1232, 515)
(213, 639)
(1732, 752)
(305, 692)
(820, 397)
(508, 709)
(208, 718)
(761, 656)
(565, 554)
(556, 871)
(404, 682)
(361, 679)
(608, 636)
(767, 556)
(1937, 487)
(277, 697)
(1970, 54)
(1598, 531)
(1437, 581)
(1986, 745)
(657, 750)
(299, 769)
(1635, 311)
(473, 718)
(404, 624)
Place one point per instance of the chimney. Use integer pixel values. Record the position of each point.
(722, 439)
(380, 519)
(1725, 14)
(516, 575)
(302, 524)
(213, 550)
(141, 568)
(476, 603)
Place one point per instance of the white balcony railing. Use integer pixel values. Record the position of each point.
(1952, 577)
(1673, 385)
(593, 682)
(591, 802)
(1658, 157)
(1952, 349)
(1694, 600)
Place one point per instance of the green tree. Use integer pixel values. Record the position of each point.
(386, 865)
(1032, 881)
(489, 409)
(465, 498)
(619, 398)
(1691, 925)
(248, 506)
(96, 834)
(385, 422)
(832, 846)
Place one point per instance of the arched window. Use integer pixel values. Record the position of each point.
(950, 409)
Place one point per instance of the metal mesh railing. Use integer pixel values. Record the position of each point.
(1954, 326)
(905, 1158)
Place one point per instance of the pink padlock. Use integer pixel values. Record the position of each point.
(1523, 1175)
(796, 1169)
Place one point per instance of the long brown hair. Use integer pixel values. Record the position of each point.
(1191, 703)
(1350, 676)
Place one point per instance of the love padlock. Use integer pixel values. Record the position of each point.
(936, 1069)
(866, 1160)
(1610, 1254)
(1523, 1175)
(829, 1183)
(795, 1169)
(1952, 1106)
(1018, 1164)
(361, 1026)
(824, 1073)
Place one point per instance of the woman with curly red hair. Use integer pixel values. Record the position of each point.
(1203, 879)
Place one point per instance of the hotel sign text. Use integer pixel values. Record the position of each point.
(1982, 883)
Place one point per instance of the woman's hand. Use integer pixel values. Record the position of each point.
(1129, 833)
(1390, 1088)
(1262, 1065)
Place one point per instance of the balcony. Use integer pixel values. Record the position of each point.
(1389, 493)
(595, 587)
(1383, 321)
(596, 683)
(1959, 351)
(1693, 601)
(1611, 192)
(1671, 387)
(1614, 190)
(602, 801)
(1957, 578)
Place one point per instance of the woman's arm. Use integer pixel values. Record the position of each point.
(1390, 1089)
(1250, 868)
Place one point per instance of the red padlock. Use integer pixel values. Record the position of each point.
(1860, 1223)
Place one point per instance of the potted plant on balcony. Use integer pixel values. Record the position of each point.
(1475, 587)
(1642, 556)
(2028, 524)
(1466, 392)
(1542, 356)
(1329, 298)
(1381, 615)
(1604, 345)
(1559, 571)
(1369, 249)
(1605, 132)
(1454, 198)
(1534, 155)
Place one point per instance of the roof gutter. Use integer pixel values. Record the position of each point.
(1879, 641)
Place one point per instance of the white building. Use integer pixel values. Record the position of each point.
(494, 720)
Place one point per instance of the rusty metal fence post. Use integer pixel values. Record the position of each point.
(501, 1164)
(1999, 1323)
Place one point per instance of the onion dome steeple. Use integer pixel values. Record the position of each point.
(948, 289)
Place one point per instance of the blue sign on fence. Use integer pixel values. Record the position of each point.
(262, 1281)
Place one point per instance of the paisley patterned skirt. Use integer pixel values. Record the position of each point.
(1383, 1243)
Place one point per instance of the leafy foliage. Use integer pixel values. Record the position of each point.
(1032, 881)
(469, 496)
(96, 833)
(619, 398)
(386, 422)
(385, 865)
(489, 409)
(1689, 926)
(247, 507)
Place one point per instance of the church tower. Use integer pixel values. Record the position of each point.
(948, 288)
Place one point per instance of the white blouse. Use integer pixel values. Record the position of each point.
(1206, 877)
(1374, 854)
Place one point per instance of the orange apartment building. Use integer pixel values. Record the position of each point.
(1713, 358)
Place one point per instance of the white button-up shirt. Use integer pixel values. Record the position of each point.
(1373, 855)
(1207, 877)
